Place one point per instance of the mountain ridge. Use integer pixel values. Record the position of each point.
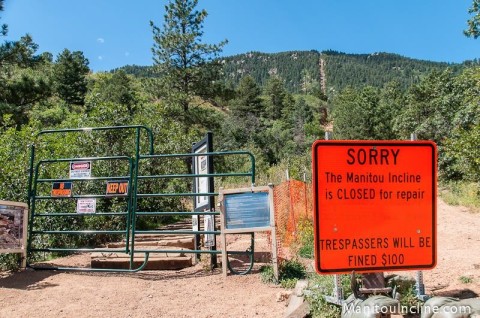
(329, 71)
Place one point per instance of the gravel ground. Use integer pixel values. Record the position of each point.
(194, 292)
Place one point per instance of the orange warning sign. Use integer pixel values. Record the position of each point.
(374, 205)
(61, 189)
(117, 188)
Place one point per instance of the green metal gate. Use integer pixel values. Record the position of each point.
(46, 209)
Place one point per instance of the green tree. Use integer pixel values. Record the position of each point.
(70, 76)
(391, 102)
(302, 116)
(247, 101)
(246, 120)
(3, 27)
(463, 152)
(473, 30)
(354, 113)
(186, 64)
(275, 94)
(430, 108)
(118, 88)
(461, 148)
(22, 76)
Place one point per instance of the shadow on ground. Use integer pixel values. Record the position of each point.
(458, 293)
(27, 280)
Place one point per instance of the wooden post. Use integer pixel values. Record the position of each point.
(273, 235)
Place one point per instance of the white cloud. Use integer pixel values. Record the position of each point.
(127, 53)
(100, 57)
(101, 40)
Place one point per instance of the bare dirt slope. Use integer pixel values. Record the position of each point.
(458, 258)
(195, 293)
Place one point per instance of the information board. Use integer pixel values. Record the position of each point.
(374, 205)
(201, 183)
(247, 210)
(13, 224)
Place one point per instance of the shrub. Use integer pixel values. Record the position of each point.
(289, 272)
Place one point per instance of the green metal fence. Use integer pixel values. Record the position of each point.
(46, 208)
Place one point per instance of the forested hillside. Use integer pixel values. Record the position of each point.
(301, 70)
(355, 70)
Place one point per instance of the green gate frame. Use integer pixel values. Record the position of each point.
(131, 214)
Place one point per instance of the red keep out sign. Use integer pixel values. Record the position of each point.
(374, 205)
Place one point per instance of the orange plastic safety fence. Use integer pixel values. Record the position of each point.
(293, 204)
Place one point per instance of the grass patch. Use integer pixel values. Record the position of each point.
(321, 286)
(466, 279)
(462, 193)
(405, 287)
(289, 273)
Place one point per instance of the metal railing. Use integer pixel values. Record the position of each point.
(45, 208)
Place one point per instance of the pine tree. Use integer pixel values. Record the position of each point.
(21, 82)
(184, 62)
(69, 72)
(275, 93)
(3, 27)
(473, 23)
(248, 100)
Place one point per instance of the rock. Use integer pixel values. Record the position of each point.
(372, 307)
(297, 306)
(283, 295)
(301, 285)
(448, 307)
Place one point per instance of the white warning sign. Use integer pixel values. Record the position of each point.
(80, 169)
(86, 205)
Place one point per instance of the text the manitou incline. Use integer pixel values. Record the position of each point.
(375, 204)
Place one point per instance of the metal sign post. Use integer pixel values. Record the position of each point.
(203, 165)
(420, 286)
(338, 296)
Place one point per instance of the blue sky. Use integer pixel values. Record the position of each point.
(113, 33)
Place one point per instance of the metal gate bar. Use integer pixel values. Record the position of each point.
(32, 197)
(130, 216)
(34, 214)
(143, 158)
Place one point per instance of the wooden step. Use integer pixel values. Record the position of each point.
(104, 255)
(154, 263)
(176, 242)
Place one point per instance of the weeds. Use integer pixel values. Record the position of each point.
(466, 279)
(10, 262)
(305, 239)
(462, 193)
(321, 286)
(289, 273)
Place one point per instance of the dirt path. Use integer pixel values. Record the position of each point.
(195, 293)
(458, 253)
(188, 293)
